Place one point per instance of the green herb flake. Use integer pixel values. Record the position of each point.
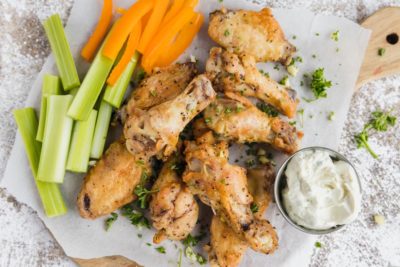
(149, 244)
(294, 37)
(254, 207)
(318, 244)
(250, 163)
(208, 120)
(143, 194)
(331, 115)
(228, 110)
(153, 93)
(160, 249)
(136, 218)
(335, 36)
(226, 33)
(139, 235)
(381, 51)
(268, 109)
(285, 81)
(276, 67)
(317, 34)
(319, 84)
(292, 123)
(314, 56)
(111, 220)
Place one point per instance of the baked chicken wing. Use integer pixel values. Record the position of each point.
(226, 247)
(251, 32)
(173, 209)
(156, 131)
(241, 121)
(224, 188)
(239, 74)
(111, 182)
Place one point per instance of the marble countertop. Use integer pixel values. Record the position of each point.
(24, 240)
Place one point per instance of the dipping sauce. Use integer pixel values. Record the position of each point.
(321, 193)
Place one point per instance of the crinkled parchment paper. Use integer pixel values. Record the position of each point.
(309, 32)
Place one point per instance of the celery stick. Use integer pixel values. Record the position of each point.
(56, 139)
(100, 133)
(115, 94)
(62, 52)
(49, 193)
(90, 89)
(79, 152)
(51, 86)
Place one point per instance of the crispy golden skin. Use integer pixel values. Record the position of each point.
(241, 121)
(239, 74)
(251, 32)
(226, 247)
(156, 131)
(110, 183)
(173, 209)
(224, 187)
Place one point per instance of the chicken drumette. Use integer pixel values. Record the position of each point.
(250, 32)
(230, 72)
(223, 187)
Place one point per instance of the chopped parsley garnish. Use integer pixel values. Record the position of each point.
(149, 244)
(139, 235)
(380, 122)
(276, 67)
(228, 110)
(226, 33)
(294, 37)
(143, 194)
(160, 249)
(314, 56)
(268, 109)
(331, 115)
(337, 49)
(137, 218)
(335, 36)
(153, 93)
(318, 244)
(208, 120)
(250, 163)
(254, 207)
(317, 34)
(319, 84)
(301, 83)
(111, 220)
(381, 51)
(285, 81)
(191, 241)
(266, 74)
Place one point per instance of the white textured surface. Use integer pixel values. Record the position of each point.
(25, 242)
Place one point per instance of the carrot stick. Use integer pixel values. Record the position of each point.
(126, 23)
(174, 9)
(160, 7)
(164, 36)
(100, 31)
(182, 41)
(191, 3)
(130, 50)
(120, 10)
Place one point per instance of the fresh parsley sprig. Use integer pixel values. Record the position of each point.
(111, 220)
(136, 217)
(143, 194)
(191, 241)
(380, 122)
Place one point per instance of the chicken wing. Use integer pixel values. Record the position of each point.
(241, 121)
(239, 74)
(226, 247)
(173, 209)
(224, 187)
(111, 182)
(251, 32)
(156, 131)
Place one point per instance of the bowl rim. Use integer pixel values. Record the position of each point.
(278, 190)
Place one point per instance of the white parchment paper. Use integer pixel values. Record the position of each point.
(311, 35)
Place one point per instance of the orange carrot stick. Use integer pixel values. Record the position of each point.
(160, 7)
(89, 50)
(131, 46)
(191, 3)
(182, 42)
(120, 10)
(131, 17)
(173, 10)
(164, 36)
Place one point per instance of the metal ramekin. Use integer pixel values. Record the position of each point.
(280, 183)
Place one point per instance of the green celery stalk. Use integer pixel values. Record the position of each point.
(115, 94)
(90, 89)
(49, 193)
(101, 130)
(79, 152)
(62, 52)
(51, 86)
(56, 139)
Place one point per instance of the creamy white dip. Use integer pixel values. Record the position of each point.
(320, 193)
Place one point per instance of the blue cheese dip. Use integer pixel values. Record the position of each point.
(321, 193)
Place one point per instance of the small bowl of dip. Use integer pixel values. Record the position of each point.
(318, 191)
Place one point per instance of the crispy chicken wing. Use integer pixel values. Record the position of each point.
(226, 247)
(173, 209)
(224, 187)
(239, 74)
(156, 131)
(251, 32)
(110, 183)
(241, 121)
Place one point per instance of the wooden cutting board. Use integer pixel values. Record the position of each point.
(385, 26)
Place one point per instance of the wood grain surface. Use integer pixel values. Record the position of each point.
(382, 23)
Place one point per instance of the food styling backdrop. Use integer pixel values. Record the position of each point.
(25, 240)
